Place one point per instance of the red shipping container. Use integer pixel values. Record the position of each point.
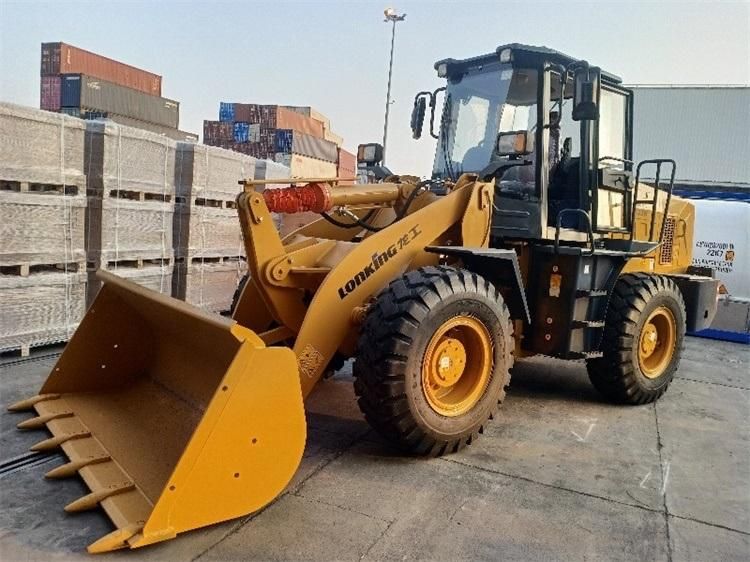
(347, 167)
(288, 119)
(216, 131)
(49, 94)
(60, 58)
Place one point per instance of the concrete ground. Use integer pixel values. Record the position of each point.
(560, 475)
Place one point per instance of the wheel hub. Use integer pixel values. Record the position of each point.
(450, 357)
(457, 366)
(657, 342)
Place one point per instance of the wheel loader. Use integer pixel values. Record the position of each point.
(536, 234)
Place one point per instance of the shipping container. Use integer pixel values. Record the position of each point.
(86, 92)
(347, 165)
(226, 111)
(49, 95)
(288, 141)
(215, 132)
(330, 136)
(61, 58)
(308, 111)
(306, 167)
(241, 131)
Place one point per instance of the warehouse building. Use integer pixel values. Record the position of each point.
(705, 129)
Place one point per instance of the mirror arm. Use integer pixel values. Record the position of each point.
(433, 104)
(563, 80)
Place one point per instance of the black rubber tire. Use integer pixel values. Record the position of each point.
(391, 347)
(617, 374)
(238, 292)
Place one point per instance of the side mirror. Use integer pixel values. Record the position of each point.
(586, 94)
(417, 116)
(515, 143)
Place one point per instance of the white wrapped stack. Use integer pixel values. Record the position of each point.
(42, 222)
(131, 204)
(207, 237)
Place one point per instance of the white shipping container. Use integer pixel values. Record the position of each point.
(721, 241)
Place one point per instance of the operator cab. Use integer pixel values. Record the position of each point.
(510, 115)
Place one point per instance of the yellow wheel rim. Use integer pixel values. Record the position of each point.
(457, 366)
(657, 342)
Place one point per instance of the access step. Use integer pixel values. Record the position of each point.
(590, 293)
(587, 324)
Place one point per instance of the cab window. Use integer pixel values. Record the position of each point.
(611, 124)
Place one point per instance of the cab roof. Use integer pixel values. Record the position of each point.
(523, 55)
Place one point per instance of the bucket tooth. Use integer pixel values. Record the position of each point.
(40, 421)
(70, 469)
(115, 540)
(54, 442)
(27, 404)
(90, 501)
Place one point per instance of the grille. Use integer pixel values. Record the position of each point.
(665, 254)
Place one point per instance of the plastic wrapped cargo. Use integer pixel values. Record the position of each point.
(131, 194)
(42, 187)
(61, 58)
(42, 308)
(42, 227)
(169, 132)
(86, 92)
(128, 159)
(41, 147)
(209, 283)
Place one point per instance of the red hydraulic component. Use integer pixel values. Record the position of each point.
(313, 197)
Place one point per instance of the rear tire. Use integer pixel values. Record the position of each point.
(643, 338)
(433, 359)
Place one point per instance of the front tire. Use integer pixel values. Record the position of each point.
(433, 360)
(643, 338)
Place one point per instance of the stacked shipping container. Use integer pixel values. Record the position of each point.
(297, 137)
(90, 86)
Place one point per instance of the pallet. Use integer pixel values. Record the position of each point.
(134, 263)
(26, 269)
(40, 188)
(211, 260)
(208, 202)
(24, 350)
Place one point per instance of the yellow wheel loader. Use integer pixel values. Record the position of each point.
(536, 234)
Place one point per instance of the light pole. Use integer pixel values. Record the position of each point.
(393, 17)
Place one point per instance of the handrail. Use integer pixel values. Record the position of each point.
(589, 230)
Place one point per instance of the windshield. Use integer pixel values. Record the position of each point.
(475, 110)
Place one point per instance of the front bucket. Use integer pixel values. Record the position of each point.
(173, 417)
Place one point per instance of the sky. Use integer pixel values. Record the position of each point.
(333, 56)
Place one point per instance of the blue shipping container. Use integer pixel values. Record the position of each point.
(241, 132)
(283, 141)
(226, 111)
(70, 90)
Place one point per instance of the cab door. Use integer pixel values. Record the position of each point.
(612, 193)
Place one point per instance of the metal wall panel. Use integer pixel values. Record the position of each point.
(706, 129)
